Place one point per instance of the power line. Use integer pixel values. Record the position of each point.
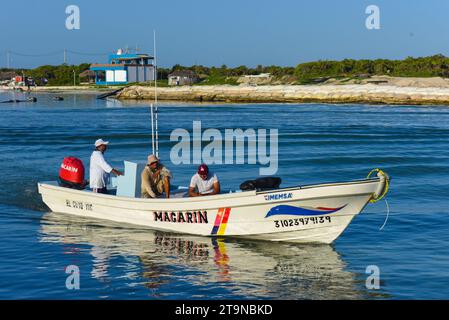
(88, 54)
(64, 52)
(10, 53)
(53, 53)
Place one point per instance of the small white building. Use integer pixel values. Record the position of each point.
(182, 77)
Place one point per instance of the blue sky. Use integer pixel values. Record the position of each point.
(232, 32)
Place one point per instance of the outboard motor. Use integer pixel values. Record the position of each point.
(267, 183)
(71, 174)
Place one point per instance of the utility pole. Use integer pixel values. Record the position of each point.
(65, 56)
(74, 74)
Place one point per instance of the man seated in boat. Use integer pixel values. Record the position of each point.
(155, 179)
(99, 168)
(204, 183)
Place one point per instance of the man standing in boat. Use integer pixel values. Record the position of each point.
(99, 168)
(155, 179)
(204, 183)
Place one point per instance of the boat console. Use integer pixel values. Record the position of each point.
(129, 184)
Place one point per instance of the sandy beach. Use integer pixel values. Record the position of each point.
(351, 93)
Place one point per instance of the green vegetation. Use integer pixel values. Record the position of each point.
(61, 75)
(225, 75)
(218, 80)
(313, 72)
(433, 66)
(224, 71)
(310, 72)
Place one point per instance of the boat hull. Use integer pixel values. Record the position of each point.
(307, 214)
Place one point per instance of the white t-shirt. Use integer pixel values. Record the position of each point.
(99, 170)
(204, 186)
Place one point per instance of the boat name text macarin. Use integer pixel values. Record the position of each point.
(179, 216)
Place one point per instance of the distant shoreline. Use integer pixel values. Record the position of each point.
(354, 93)
(396, 91)
(59, 89)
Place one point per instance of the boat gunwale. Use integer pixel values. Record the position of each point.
(225, 196)
(325, 184)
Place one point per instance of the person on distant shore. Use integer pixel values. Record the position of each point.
(155, 179)
(204, 183)
(99, 169)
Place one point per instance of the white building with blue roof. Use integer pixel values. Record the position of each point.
(124, 68)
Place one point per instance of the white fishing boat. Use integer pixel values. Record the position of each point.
(306, 214)
(312, 213)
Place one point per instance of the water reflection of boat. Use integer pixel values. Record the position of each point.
(253, 269)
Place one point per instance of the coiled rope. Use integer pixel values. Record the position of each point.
(375, 198)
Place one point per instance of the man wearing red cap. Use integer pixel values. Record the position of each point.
(204, 183)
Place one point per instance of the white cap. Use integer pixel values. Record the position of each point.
(99, 142)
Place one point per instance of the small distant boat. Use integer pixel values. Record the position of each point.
(30, 99)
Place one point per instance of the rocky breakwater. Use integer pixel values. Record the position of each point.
(354, 93)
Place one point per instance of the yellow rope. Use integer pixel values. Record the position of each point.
(385, 191)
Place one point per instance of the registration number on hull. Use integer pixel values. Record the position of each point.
(78, 205)
(301, 221)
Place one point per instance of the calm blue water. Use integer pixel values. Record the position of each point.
(317, 143)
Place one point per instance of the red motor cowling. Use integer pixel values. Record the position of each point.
(72, 171)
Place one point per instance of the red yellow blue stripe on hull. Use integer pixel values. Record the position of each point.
(221, 220)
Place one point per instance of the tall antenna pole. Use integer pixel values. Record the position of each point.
(8, 64)
(152, 129)
(65, 56)
(155, 93)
